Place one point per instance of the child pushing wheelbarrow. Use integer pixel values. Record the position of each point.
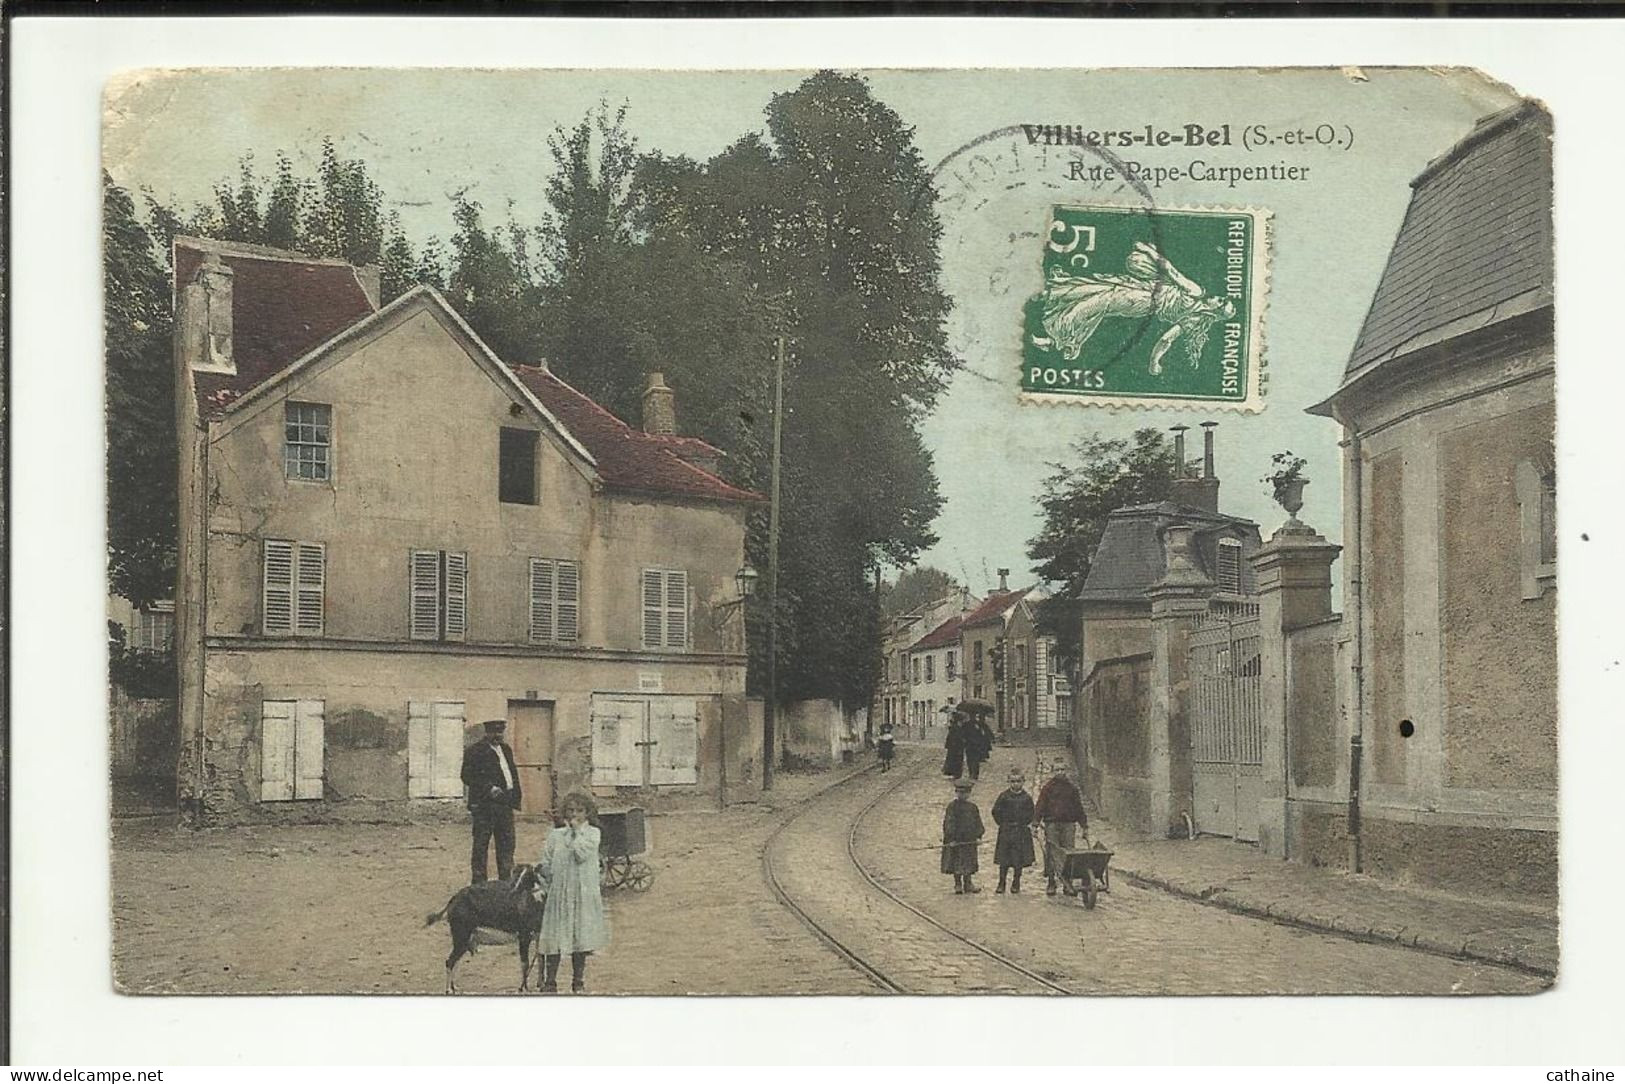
(1081, 871)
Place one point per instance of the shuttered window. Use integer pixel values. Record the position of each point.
(555, 601)
(438, 582)
(617, 742)
(434, 748)
(292, 736)
(674, 752)
(665, 608)
(293, 596)
(1228, 573)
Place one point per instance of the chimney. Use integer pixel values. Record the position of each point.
(1004, 580)
(203, 322)
(1202, 492)
(659, 407)
(1179, 450)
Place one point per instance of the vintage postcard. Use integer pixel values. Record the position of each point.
(831, 532)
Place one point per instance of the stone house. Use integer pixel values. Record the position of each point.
(1441, 763)
(934, 679)
(389, 535)
(983, 649)
(1159, 571)
(1132, 556)
(1039, 695)
(894, 698)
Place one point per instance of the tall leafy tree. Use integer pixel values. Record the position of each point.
(915, 587)
(141, 446)
(1102, 475)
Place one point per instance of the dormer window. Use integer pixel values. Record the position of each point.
(1229, 562)
(307, 449)
(516, 466)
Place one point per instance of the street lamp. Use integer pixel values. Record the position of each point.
(746, 578)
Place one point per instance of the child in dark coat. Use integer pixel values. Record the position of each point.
(961, 832)
(1013, 813)
(887, 744)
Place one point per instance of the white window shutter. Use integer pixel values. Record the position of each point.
(456, 596)
(618, 728)
(276, 750)
(541, 600)
(308, 747)
(568, 581)
(674, 728)
(276, 610)
(420, 748)
(448, 748)
(676, 609)
(312, 589)
(654, 590)
(425, 587)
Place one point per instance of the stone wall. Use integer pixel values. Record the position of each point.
(1112, 741)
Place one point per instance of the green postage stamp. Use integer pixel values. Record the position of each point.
(1149, 306)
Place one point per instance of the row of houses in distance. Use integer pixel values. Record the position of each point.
(961, 647)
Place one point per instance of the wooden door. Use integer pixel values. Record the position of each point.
(530, 722)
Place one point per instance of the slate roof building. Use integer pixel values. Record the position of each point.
(1450, 543)
(389, 534)
(1132, 557)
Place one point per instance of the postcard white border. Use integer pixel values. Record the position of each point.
(64, 1012)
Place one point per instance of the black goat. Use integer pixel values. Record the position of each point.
(508, 906)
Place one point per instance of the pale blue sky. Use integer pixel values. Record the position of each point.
(429, 133)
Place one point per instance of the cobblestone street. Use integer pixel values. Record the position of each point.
(340, 908)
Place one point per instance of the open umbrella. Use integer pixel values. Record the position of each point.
(975, 707)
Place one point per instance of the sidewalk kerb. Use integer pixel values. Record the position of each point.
(1419, 942)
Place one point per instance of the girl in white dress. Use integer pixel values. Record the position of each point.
(573, 921)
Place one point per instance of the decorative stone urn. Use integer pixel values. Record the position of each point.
(1289, 495)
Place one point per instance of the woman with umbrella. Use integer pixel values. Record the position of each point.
(975, 735)
(953, 765)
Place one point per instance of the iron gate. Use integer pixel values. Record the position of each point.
(1227, 737)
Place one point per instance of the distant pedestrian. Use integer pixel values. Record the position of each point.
(1060, 810)
(573, 921)
(492, 779)
(953, 765)
(961, 832)
(886, 743)
(978, 740)
(1013, 813)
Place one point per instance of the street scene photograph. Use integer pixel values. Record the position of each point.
(830, 532)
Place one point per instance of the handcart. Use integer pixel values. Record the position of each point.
(1084, 873)
(621, 841)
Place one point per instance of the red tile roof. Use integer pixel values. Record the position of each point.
(629, 458)
(994, 606)
(944, 635)
(283, 305)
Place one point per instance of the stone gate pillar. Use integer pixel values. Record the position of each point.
(1178, 601)
(1294, 575)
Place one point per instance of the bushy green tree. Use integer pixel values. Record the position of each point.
(1102, 475)
(914, 588)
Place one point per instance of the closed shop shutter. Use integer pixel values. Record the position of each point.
(276, 750)
(674, 730)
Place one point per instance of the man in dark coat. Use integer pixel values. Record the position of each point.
(953, 765)
(1060, 809)
(961, 832)
(492, 779)
(978, 739)
(1013, 813)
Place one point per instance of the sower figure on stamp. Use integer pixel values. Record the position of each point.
(1060, 810)
(961, 833)
(492, 779)
(1013, 813)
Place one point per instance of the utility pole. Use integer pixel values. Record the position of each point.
(770, 708)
